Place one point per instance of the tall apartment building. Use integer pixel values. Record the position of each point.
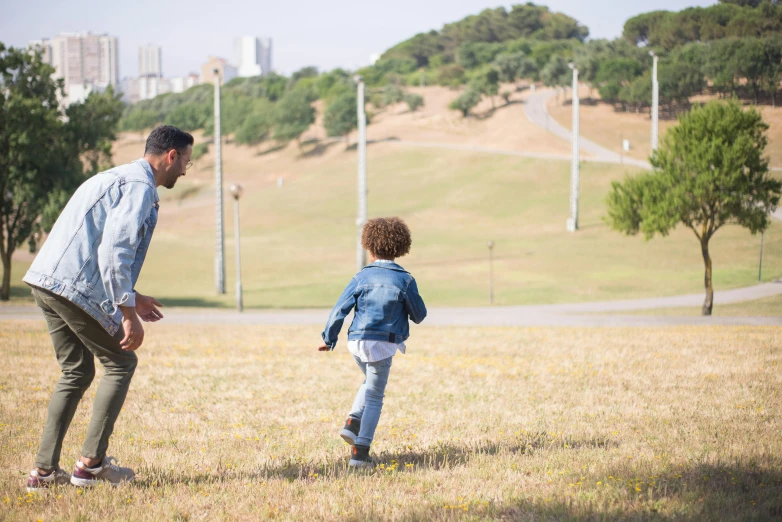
(253, 56)
(150, 61)
(85, 61)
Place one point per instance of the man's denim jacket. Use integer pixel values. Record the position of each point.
(384, 296)
(94, 253)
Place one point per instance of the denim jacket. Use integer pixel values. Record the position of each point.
(384, 296)
(94, 253)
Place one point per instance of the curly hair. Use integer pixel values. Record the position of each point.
(386, 238)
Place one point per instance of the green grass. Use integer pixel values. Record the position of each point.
(299, 241)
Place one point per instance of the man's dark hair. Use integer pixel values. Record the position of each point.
(165, 138)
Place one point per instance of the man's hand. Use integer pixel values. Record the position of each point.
(324, 348)
(134, 332)
(146, 308)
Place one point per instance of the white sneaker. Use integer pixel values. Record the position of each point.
(108, 472)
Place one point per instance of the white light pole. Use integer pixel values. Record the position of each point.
(361, 256)
(490, 244)
(220, 246)
(655, 100)
(760, 259)
(572, 222)
(236, 192)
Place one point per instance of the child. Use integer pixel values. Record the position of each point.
(384, 296)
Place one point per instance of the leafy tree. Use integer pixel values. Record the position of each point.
(42, 157)
(466, 101)
(514, 66)
(257, 125)
(557, 73)
(341, 116)
(487, 83)
(616, 73)
(414, 101)
(451, 75)
(709, 172)
(293, 115)
(200, 150)
(392, 94)
(139, 120)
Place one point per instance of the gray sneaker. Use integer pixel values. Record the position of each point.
(37, 482)
(108, 472)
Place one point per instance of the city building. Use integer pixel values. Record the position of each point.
(226, 71)
(86, 62)
(150, 61)
(253, 56)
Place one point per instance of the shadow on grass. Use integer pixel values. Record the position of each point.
(741, 490)
(320, 148)
(271, 149)
(198, 302)
(445, 455)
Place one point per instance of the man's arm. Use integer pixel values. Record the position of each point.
(121, 238)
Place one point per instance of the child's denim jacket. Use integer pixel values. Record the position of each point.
(384, 296)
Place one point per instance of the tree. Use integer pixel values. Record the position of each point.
(556, 73)
(414, 101)
(709, 172)
(257, 125)
(292, 116)
(341, 115)
(466, 101)
(487, 83)
(42, 158)
(515, 66)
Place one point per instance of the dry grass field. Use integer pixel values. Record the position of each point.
(240, 423)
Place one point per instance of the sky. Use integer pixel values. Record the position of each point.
(305, 32)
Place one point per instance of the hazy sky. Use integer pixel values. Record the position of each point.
(326, 34)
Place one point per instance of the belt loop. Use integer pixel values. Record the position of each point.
(391, 337)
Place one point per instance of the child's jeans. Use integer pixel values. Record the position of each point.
(369, 398)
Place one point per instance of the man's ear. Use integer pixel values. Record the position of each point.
(171, 156)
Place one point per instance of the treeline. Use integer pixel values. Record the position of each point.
(729, 19)
(732, 49)
(257, 109)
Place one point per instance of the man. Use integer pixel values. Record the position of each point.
(84, 280)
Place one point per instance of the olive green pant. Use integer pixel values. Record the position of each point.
(78, 339)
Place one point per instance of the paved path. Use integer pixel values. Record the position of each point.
(576, 314)
(536, 112)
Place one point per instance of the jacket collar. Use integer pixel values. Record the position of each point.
(144, 164)
(388, 266)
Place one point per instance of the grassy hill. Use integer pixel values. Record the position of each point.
(299, 240)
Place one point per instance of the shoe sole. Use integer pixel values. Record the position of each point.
(348, 436)
(88, 483)
(361, 464)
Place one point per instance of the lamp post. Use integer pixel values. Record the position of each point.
(236, 192)
(655, 100)
(361, 217)
(490, 244)
(220, 243)
(572, 222)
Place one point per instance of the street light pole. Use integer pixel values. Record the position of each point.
(572, 223)
(361, 256)
(236, 192)
(220, 244)
(760, 261)
(655, 100)
(491, 273)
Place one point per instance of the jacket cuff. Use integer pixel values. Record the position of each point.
(128, 299)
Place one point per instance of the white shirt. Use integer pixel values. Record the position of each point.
(373, 351)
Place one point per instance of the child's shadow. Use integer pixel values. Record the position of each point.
(443, 455)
